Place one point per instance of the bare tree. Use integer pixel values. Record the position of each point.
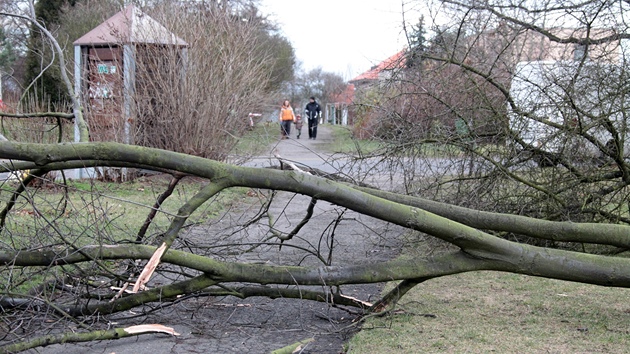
(514, 109)
(317, 83)
(77, 277)
(66, 264)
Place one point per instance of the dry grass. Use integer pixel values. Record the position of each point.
(505, 313)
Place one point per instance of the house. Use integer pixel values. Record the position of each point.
(533, 46)
(573, 90)
(550, 77)
(338, 110)
(382, 71)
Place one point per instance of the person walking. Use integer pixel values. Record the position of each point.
(298, 125)
(313, 112)
(286, 118)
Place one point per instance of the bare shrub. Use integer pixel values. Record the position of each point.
(198, 102)
(511, 112)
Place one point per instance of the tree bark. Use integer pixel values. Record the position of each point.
(73, 338)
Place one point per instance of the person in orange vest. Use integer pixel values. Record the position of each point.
(286, 118)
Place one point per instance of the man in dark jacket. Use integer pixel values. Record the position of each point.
(313, 112)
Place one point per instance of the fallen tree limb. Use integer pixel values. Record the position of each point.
(390, 299)
(113, 154)
(30, 177)
(158, 203)
(556, 264)
(73, 337)
(607, 234)
(38, 115)
(478, 250)
(293, 293)
(163, 293)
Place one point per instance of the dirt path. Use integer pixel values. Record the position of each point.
(257, 324)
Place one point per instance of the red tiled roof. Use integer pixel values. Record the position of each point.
(395, 61)
(346, 96)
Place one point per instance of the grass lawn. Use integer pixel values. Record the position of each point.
(483, 312)
(93, 213)
(100, 212)
(257, 140)
(344, 142)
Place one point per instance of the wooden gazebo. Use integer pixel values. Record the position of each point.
(106, 61)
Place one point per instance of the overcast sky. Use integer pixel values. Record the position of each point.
(346, 37)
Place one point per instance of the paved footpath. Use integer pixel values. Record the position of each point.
(258, 324)
(303, 151)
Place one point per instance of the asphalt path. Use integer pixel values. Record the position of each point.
(315, 154)
(302, 152)
(260, 324)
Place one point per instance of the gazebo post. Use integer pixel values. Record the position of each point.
(78, 77)
(129, 79)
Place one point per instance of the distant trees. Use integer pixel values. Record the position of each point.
(234, 62)
(282, 69)
(42, 69)
(416, 37)
(8, 55)
(317, 83)
(7, 52)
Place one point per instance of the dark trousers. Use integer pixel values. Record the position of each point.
(285, 126)
(312, 128)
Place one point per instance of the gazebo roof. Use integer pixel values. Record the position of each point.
(130, 26)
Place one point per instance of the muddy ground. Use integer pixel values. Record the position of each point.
(258, 324)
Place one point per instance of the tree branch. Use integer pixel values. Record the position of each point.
(73, 337)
